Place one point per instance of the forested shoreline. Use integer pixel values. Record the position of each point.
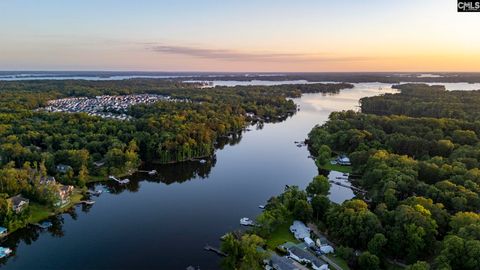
(418, 154)
(33, 143)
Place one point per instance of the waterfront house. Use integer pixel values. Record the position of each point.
(64, 193)
(19, 203)
(303, 256)
(47, 180)
(343, 160)
(3, 231)
(282, 263)
(62, 168)
(300, 230)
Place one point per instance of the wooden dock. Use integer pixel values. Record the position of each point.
(347, 186)
(216, 250)
(124, 181)
(87, 202)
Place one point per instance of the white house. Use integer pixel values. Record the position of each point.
(326, 249)
(309, 241)
(343, 160)
(303, 256)
(19, 203)
(300, 230)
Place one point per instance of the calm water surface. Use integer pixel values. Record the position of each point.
(163, 222)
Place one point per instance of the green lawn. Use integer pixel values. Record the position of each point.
(335, 167)
(281, 235)
(341, 262)
(96, 178)
(38, 213)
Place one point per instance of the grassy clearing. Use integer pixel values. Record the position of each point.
(96, 178)
(335, 167)
(281, 235)
(38, 213)
(341, 262)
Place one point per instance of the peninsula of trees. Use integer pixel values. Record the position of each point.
(417, 154)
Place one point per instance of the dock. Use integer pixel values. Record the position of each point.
(350, 187)
(87, 202)
(122, 182)
(216, 250)
(152, 172)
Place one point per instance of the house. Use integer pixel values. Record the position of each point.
(19, 203)
(309, 241)
(300, 230)
(64, 193)
(47, 180)
(62, 168)
(326, 249)
(303, 256)
(282, 263)
(99, 164)
(343, 160)
(3, 231)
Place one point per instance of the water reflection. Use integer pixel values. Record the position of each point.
(31, 233)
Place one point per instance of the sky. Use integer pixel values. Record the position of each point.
(238, 35)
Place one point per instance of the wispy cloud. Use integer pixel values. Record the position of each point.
(234, 55)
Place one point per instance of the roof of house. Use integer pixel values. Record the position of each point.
(304, 254)
(66, 188)
(63, 165)
(47, 179)
(309, 241)
(16, 200)
(282, 263)
(299, 229)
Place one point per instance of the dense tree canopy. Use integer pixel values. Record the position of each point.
(417, 154)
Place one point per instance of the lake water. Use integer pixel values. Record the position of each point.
(163, 222)
(252, 82)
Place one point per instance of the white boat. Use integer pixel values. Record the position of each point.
(203, 161)
(4, 252)
(261, 206)
(246, 221)
(152, 172)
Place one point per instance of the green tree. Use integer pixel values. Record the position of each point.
(377, 244)
(320, 205)
(302, 211)
(420, 265)
(318, 186)
(324, 154)
(368, 261)
(352, 223)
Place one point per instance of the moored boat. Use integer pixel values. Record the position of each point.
(4, 252)
(246, 222)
